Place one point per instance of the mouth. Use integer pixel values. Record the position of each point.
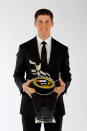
(44, 30)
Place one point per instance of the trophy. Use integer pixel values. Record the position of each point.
(44, 99)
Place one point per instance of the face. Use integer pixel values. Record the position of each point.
(43, 25)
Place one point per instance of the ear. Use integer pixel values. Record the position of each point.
(52, 23)
(35, 23)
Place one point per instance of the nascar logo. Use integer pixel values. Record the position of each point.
(41, 80)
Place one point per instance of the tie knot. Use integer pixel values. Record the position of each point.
(43, 43)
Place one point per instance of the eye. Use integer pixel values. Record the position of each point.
(39, 22)
(47, 22)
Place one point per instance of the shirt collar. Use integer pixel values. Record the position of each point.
(48, 40)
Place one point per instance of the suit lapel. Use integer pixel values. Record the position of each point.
(35, 49)
(53, 54)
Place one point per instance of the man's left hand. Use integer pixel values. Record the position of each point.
(61, 88)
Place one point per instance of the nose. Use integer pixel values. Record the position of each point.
(43, 25)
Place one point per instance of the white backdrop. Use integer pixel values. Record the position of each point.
(70, 28)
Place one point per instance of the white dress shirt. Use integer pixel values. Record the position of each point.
(48, 47)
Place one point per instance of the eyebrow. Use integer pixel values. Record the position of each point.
(41, 20)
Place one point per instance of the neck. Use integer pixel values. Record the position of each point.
(44, 37)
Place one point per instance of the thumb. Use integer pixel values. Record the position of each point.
(60, 80)
(29, 81)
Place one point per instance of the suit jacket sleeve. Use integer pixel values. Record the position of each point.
(20, 69)
(65, 69)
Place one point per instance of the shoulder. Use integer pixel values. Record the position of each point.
(59, 44)
(27, 44)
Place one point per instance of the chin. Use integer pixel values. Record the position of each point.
(44, 33)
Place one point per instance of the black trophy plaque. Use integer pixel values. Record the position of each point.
(44, 99)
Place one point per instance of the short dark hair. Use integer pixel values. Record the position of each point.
(43, 12)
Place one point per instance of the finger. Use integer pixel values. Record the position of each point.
(60, 80)
(34, 90)
(59, 94)
(29, 81)
(31, 90)
(57, 90)
(30, 95)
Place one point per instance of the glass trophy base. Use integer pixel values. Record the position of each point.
(44, 120)
(44, 106)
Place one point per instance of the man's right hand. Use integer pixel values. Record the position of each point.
(27, 89)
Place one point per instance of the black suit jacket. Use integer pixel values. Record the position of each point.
(59, 63)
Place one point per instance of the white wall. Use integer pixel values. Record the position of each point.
(16, 27)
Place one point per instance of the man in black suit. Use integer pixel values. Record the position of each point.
(56, 63)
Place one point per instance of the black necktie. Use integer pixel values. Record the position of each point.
(44, 53)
